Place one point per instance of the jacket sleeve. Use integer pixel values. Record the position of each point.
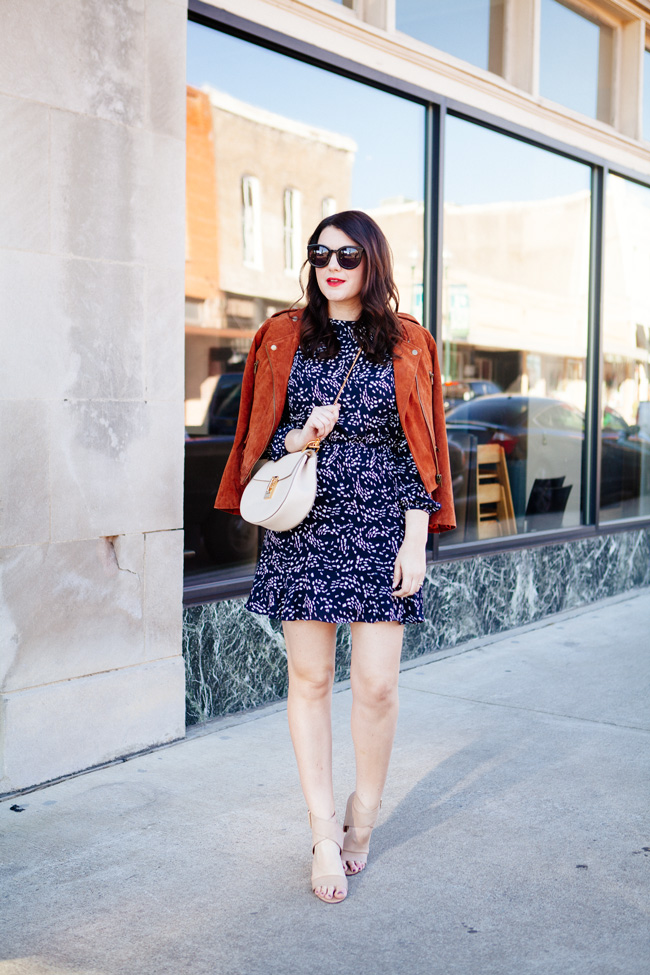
(445, 519)
(230, 489)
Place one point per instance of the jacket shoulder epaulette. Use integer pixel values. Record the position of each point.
(408, 318)
(414, 331)
(287, 317)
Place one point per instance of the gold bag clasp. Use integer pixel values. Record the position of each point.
(270, 487)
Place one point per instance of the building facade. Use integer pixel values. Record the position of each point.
(163, 168)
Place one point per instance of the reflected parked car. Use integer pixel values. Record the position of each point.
(455, 392)
(224, 405)
(211, 536)
(542, 440)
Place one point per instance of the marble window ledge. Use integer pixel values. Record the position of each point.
(236, 660)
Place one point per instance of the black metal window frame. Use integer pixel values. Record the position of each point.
(437, 107)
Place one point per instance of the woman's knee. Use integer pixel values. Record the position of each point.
(311, 683)
(379, 693)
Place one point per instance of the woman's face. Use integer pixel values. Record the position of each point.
(340, 286)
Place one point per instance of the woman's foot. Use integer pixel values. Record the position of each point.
(359, 823)
(327, 864)
(328, 879)
(358, 838)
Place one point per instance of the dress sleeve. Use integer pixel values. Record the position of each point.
(411, 493)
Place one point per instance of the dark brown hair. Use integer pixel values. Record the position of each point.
(378, 329)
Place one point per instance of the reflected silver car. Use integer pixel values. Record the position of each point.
(543, 440)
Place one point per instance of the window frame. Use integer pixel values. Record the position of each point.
(645, 88)
(216, 587)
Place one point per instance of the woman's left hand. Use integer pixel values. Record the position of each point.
(411, 561)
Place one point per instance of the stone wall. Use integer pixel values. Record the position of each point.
(92, 115)
(236, 660)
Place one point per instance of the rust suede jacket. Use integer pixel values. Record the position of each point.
(418, 392)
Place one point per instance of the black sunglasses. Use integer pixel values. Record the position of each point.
(348, 257)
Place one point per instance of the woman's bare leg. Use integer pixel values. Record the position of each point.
(374, 675)
(311, 648)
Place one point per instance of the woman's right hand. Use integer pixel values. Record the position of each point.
(321, 421)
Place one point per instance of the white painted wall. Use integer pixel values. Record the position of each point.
(92, 156)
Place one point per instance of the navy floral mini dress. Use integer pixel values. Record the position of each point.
(337, 565)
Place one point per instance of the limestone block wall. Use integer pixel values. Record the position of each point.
(92, 157)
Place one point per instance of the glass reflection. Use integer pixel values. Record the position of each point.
(273, 144)
(569, 57)
(459, 27)
(515, 304)
(625, 470)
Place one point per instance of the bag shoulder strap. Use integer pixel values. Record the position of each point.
(315, 444)
(338, 395)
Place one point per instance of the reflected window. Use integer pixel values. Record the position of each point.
(251, 221)
(625, 437)
(267, 157)
(515, 315)
(292, 231)
(573, 50)
(459, 27)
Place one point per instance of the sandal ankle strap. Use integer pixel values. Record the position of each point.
(325, 829)
(358, 816)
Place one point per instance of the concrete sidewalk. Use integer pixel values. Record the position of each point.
(514, 836)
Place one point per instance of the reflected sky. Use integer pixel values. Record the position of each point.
(460, 27)
(389, 131)
(483, 166)
(568, 61)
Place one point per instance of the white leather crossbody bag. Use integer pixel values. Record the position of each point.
(281, 493)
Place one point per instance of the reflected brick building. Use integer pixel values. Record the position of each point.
(257, 185)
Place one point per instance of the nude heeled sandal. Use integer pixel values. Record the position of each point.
(357, 816)
(327, 829)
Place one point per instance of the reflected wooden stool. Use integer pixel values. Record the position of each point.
(495, 512)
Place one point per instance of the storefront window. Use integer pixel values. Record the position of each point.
(625, 469)
(569, 57)
(273, 144)
(515, 315)
(459, 27)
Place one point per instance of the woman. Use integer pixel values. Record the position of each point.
(359, 556)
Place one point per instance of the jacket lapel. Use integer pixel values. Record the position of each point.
(282, 356)
(404, 369)
(281, 346)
